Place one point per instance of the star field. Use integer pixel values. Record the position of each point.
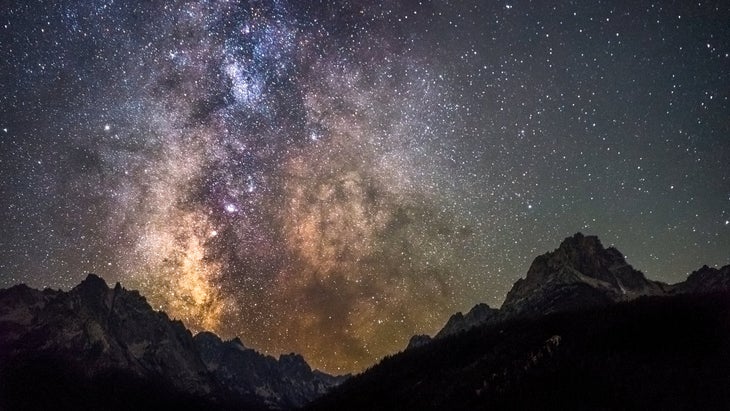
(331, 178)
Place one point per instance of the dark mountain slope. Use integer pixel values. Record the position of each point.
(56, 381)
(99, 348)
(653, 352)
(706, 279)
(286, 383)
(580, 273)
(479, 314)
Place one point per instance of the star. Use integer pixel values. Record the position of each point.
(331, 179)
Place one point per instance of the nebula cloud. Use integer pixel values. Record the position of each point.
(330, 178)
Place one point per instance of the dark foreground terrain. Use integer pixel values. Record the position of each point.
(651, 353)
(583, 330)
(52, 382)
(100, 348)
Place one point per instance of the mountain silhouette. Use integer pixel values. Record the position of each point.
(583, 330)
(580, 274)
(110, 342)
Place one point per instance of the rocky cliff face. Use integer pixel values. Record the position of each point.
(288, 382)
(418, 341)
(600, 344)
(580, 273)
(101, 328)
(478, 315)
(98, 329)
(706, 279)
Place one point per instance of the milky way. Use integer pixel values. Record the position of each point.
(331, 178)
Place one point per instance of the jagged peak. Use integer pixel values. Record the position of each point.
(92, 288)
(583, 253)
(292, 357)
(705, 279)
(236, 341)
(294, 362)
(17, 288)
(589, 244)
(211, 337)
(576, 237)
(479, 309)
(131, 337)
(704, 270)
(579, 260)
(93, 281)
(418, 340)
(207, 335)
(479, 314)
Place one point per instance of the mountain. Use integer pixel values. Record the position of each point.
(479, 314)
(110, 341)
(103, 328)
(418, 341)
(706, 279)
(286, 383)
(579, 274)
(582, 330)
(667, 353)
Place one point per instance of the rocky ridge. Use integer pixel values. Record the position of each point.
(580, 273)
(288, 382)
(98, 329)
(583, 330)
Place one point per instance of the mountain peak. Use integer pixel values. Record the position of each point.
(292, 359)
(418, 341)
(478, 315)
(705, 279)
(581, 271)
(586, 243)
(93, 282)
(585, 255)
(237, 341)
(577, 237)
(95, 329)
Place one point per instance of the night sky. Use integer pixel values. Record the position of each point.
(331, 178)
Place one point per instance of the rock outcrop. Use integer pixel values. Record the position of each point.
(98, 330)
(580, 273)
(478, 315)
